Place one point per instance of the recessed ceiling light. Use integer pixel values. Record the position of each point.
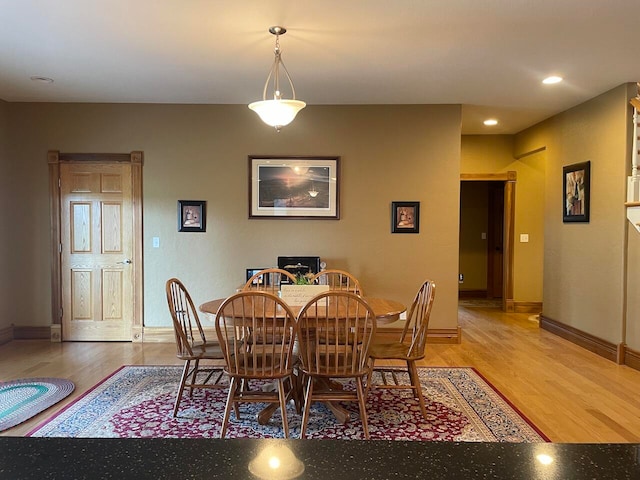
(490, 122)
(551, 80)
(39, 79)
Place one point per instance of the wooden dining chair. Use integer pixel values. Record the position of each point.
(192, 346)
(335, 330)
(256, 331)
(269, 280)
(338, 280)
(410, 347)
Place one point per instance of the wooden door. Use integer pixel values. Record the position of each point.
(97, 251)
(495, 240)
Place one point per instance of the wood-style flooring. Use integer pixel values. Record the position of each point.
(571, 394)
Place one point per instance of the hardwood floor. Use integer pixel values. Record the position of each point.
(571, 394)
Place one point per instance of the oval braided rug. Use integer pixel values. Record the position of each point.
(22, 399)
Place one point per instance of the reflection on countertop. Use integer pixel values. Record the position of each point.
(95, 458)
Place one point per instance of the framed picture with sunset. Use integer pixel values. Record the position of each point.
(294, 187)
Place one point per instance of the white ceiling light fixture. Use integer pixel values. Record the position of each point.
(489, 122)
(277, 112)
(551, 80)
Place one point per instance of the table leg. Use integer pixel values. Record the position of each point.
(296, 388)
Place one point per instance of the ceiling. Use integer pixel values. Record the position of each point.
(489, 55)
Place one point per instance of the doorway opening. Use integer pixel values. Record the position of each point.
(486, 240)
(96, 246)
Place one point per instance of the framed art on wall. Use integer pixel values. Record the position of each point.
(192, 216)
(576, 190)
(294, 187)
(262, 280)
(405, 217)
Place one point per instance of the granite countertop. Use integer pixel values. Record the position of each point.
(76, 458)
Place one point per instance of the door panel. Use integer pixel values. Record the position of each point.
(97, 243)
(495, 243)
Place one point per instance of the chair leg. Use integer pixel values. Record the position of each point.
(307, 407)
(183, 379)
(296, 390)
(370, 376)
(194, 375)
(282, 395)
(363, 407)
(412, 379)
(230, 401)
(415, 382)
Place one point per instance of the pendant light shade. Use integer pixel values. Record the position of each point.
(278, 111)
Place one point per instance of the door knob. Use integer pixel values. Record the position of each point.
(126, 261)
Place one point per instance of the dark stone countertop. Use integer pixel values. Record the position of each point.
(76, 458)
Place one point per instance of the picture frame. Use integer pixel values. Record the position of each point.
(576, 192)
(192, 216)
(405, 217)
(263, 280)
(294, 187)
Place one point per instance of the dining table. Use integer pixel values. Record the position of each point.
(386, 311)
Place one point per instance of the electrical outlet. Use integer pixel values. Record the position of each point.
(156, 242)
(460, 278)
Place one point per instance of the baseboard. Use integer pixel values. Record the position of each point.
(527, 307)
(56, 333)
(585, 340)
(444, 335)
(32, 333)
(472, 294)
(438, 335)
(159, 335)
(6, 334)
(632, 358)
(167, 335)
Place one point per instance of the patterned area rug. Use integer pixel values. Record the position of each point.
(137, 401)
(22, 399)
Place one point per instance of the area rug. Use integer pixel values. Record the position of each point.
(22, 399)
(137, 401)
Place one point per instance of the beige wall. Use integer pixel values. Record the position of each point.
(584, 263)
(6, 236)
(495, 154)
(388, 153)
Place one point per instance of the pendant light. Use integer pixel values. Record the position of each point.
(277, 112)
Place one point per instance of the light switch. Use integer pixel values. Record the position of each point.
(483, 235)
(156, 242)
(524, 237)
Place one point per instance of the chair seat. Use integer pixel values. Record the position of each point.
(268, 366)
(392, 351)
(339, 366)
(204, 351)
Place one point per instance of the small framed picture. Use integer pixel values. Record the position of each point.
(192, 216)
(263, 280)
(576, 190)
(405, 217)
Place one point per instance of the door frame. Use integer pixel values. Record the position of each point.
(509, 179)
(54, 159)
